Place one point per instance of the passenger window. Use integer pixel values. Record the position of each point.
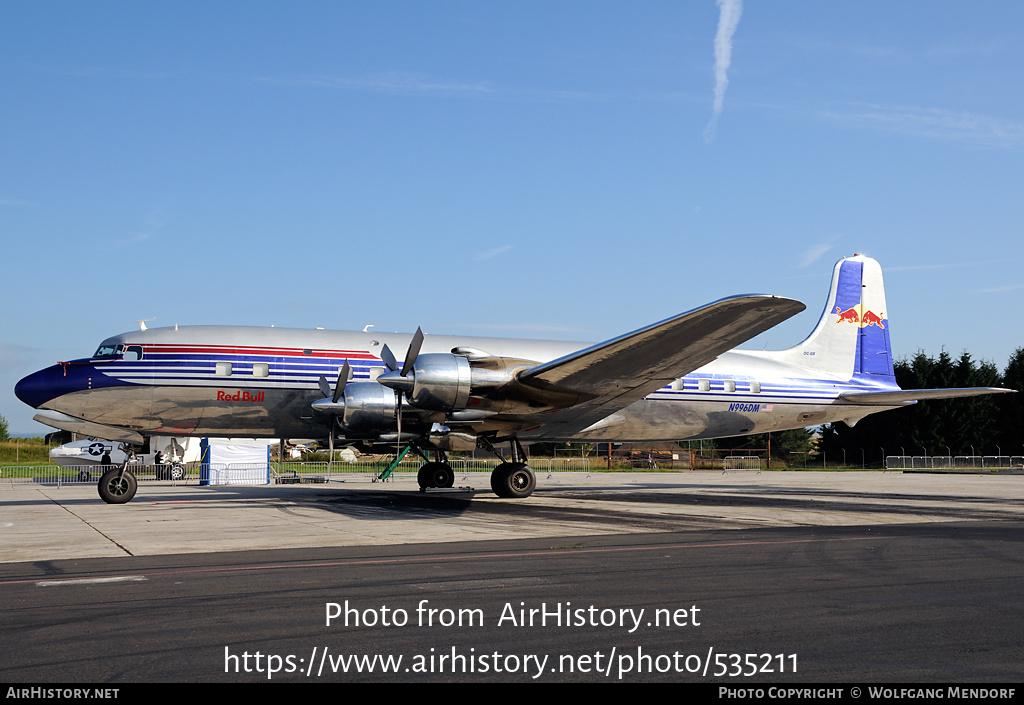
(133, 353)
(755, 387)
(704, 385)
(260, 369)
(223, 369)
(730, 386)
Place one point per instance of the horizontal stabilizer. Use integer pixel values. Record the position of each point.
(910, 396)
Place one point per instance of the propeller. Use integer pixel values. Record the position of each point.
(404, 383)
(339, 390)
(410, 356)
(339, 386)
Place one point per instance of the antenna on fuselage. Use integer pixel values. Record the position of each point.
(142, 323)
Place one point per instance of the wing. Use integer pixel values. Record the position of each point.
(64, 422)
(911, 396)
(597, 381)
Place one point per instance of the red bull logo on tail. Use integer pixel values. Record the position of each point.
(870, 319)
(850, 315)
(860, 316)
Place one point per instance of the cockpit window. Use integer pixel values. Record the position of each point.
(130, 352)
(109, 351)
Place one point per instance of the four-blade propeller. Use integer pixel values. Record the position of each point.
(339, 387)
(398, 380)
(404, 384)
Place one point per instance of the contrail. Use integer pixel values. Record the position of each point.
(728, 18)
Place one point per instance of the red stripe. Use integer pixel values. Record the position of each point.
(247, 350)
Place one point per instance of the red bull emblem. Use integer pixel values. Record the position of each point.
(870, 319)
(850, 315)
(859, 316)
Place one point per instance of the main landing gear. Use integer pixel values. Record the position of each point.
(515, 479)
(435, 474)
(509, 480)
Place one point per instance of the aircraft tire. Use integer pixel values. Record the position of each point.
(117, 489)
(435, 475)
(423, 477)
(513, 480)
(177, 472)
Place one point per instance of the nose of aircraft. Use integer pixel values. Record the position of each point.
(39, 387)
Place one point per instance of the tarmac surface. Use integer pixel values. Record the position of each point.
(794, 577)
(51, 523)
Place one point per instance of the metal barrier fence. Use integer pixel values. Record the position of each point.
(274, 473)
(741, 462)
(955, 462)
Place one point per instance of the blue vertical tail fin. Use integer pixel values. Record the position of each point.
(851, 340)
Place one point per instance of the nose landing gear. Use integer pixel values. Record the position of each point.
(118, 485)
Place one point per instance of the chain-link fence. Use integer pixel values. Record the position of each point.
(271, 473)
(954, 462)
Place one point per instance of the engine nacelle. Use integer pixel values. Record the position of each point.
(440, 382)
(369, 408)
(444, 382)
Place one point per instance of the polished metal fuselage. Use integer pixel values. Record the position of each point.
(261, 382)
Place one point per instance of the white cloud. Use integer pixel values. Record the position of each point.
(943, 265)
(393, 82)
(999, 289)
(815, 252)
(933, 123)
(138, 237)
(495, 252)
(728, 19)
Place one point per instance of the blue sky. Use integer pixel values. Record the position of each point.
(546, 170)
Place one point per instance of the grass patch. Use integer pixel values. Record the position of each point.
(24, 451)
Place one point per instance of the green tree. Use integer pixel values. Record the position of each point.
(931, 427)
(791, 446)
(1010, 435)
(3, 429)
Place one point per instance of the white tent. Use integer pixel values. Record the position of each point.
(229, 462)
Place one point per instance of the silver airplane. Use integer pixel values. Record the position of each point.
(674, 380)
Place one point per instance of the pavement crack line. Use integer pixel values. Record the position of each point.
(87, 523)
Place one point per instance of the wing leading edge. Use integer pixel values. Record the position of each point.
(599, 380)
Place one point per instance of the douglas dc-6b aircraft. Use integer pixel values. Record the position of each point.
(674, 380)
